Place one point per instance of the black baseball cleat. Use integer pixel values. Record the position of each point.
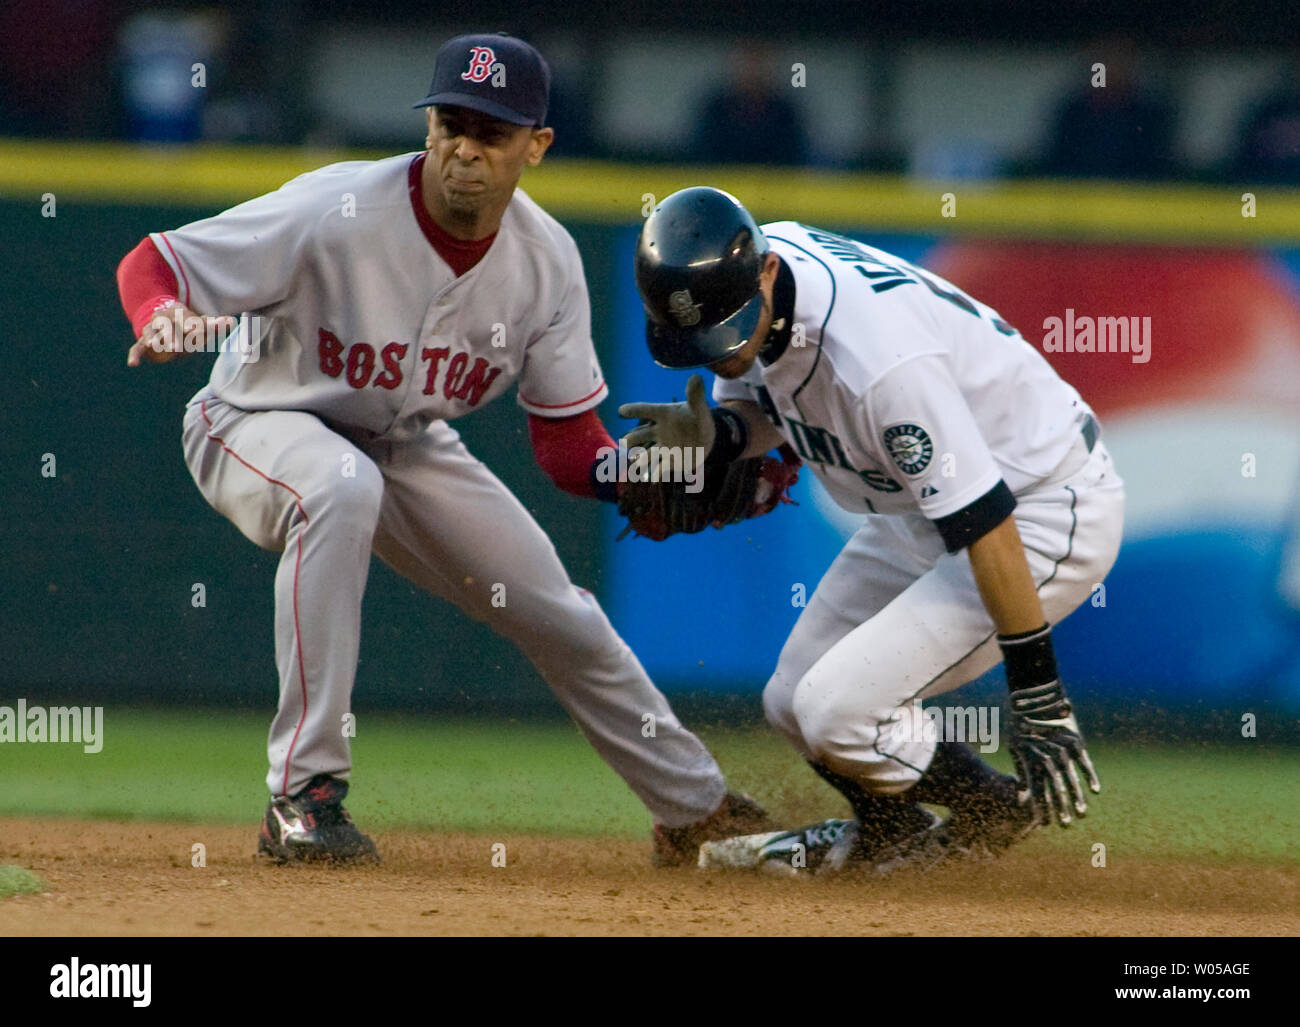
(987, 814)
(979, 829)
(986, 825)
(869, 843)
(886, 823)
(824, 847)
(924, 850)
(827, 847)
(680, 846)
(314, 826)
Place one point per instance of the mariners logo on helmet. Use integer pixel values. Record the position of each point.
(684, 310)
(697, 267)
(910, 447)
(481, 59)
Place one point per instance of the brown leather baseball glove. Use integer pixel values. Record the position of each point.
(733, 493)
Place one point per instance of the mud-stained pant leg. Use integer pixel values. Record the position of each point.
(449, 525)
(294, 487)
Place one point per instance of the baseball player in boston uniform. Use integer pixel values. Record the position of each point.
(993, 510)
(393, 297)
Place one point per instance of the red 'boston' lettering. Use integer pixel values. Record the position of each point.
(392, 355)
(361, 364)
(434, 357)
(330, 349)
(454, 370)
(461, 380)
(477, 382)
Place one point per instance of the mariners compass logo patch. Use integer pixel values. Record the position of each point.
(909, 446)
(684, 310)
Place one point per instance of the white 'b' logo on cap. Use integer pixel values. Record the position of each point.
(481, 59)
(684, 311)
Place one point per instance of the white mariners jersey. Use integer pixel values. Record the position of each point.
(902, 393)
(365, 325)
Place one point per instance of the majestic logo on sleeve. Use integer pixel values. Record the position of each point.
(684, 310)
(481, 59)
(909, 446)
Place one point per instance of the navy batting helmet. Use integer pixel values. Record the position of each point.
(697, 265)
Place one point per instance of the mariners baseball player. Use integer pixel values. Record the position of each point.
(395, 296)
(993, 509)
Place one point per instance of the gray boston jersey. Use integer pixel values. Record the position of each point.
(366, 325)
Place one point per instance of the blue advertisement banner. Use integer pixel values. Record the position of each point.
(1203, 604)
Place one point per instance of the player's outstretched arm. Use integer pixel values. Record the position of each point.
(163, 338)
(741, 425)
(681, 426)
(162, 324)
(734, 481)
(1045, 739)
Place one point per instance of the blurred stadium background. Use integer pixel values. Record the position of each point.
(1127, 200)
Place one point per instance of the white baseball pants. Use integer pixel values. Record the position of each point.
(897, 619)
(440, 518)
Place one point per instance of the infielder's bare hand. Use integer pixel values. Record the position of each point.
(673, 425)
(164, 335)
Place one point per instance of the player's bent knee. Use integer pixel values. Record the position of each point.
(347, 501)
(838, 726)
(819, 717)
(778, 708)
(870, 745)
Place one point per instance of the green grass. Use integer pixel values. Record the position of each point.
(1214, 804)
(18, 881)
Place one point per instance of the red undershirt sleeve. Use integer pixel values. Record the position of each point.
(144, 280)
(567, 449)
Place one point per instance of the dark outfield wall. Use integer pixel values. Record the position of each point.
(99, 560)
(1198, 627)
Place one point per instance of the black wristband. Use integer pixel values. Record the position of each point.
(973, 522)
(1029, 657)
(731, 438)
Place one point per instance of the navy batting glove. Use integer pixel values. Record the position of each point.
(1046, 744)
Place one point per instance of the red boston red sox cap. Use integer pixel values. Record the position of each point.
(495, 74)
